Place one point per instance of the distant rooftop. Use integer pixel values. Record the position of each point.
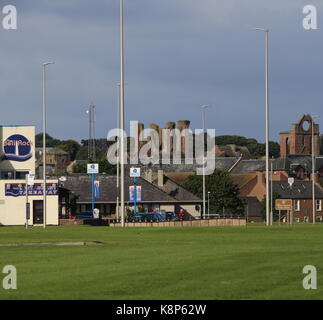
(15, 125)
(299, 190)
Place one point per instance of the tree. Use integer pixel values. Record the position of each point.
(223, 192)
(101, 149)
(71, 147)
(256, 149)
(263, 206)
(50, 141)
(104, 167)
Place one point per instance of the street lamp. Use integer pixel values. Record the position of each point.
(203, 122)
(266, 31)
(45, 64)
(313, 168)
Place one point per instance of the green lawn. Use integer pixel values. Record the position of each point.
(251, 262)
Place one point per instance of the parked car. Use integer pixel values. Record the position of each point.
(84, 215)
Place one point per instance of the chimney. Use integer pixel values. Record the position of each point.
(260, 177)
(160, 178)
(148, 175)
(316, 178)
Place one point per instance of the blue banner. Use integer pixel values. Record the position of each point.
(132, 193)
(96, 189)
(19, 189)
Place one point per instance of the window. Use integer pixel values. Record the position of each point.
(297, 205)
(287, 146)
(156, 207)
(318, 205)
(7, 175)
(21, 175)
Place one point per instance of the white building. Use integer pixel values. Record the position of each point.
(17, 158)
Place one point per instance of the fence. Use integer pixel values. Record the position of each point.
(220, 222)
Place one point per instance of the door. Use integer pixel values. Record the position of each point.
(38, 213)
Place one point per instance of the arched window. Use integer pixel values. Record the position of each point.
(287, 146)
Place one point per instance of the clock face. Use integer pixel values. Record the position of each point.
(306, 125)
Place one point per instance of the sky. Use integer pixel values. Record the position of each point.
(179, 55)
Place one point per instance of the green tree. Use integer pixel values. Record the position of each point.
(104, 167)
(101, 149)
(71, 147)
(50, 141)
(223, 192)
(263, 206)
(256, 149)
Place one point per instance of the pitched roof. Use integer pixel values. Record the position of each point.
(179, 177)
(178, 192)
(80, 185)
(51, 150)
(290, 162)
(56, 151)
(242, 179)
(299, 190)
(249, 166)
(220, 163)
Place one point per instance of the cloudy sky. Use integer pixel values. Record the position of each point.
(180, 54)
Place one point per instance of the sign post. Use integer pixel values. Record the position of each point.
(284, 205)
(135, 173)
(291, 182)
(93, 170)
(135, 196)
(27, 204)
(30, 179)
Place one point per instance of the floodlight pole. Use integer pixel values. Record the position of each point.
(27, 201)
(266, 31)
(271, 193)
(203, 121)
(208, 204)
(45, 64)
(121, 113)
(118, 155)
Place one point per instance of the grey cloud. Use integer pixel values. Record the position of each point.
(179, 55)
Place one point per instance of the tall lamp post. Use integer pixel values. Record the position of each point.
(118, 154)
(45, 64)
(121, 115)
(271, 193)
(313, 167)
(203, 122)
(266, 31)
(208, 204)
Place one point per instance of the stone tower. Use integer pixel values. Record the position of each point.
(298, 141)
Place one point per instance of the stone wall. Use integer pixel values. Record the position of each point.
(193, 223)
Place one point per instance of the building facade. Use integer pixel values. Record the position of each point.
(76, 197)
(298, 141)
(57, 161)
(17, 158)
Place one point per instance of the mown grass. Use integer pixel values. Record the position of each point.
(251, 262)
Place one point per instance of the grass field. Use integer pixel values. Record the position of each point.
(251, 262)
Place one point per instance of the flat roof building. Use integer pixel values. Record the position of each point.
(17, 158)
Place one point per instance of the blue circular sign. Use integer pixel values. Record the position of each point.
(17, 148)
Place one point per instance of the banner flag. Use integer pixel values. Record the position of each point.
(96, 189)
